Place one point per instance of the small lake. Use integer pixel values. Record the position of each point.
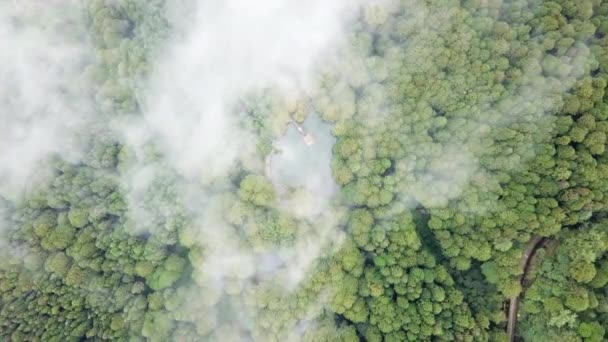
(295, 165)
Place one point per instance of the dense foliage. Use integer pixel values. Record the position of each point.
(568, 298)
(464, 128)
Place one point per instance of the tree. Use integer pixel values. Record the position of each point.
(257, 190)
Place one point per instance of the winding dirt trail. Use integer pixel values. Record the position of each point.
(533, 245)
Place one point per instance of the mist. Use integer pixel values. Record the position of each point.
(43, 102)
(222, 59)
(232, 48)
(228, 71)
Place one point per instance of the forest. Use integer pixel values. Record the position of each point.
(283, 170)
